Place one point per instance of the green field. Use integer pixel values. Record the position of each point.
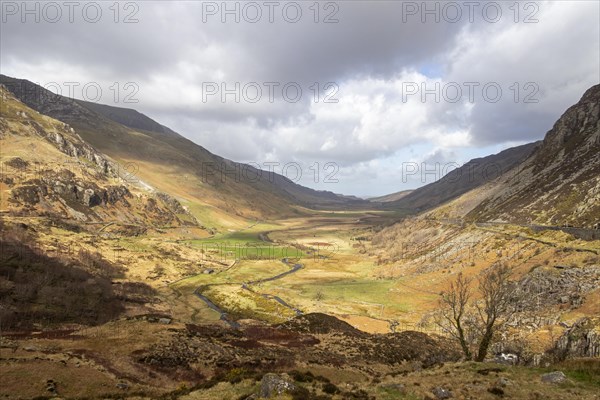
(245, 245)
(344, 282)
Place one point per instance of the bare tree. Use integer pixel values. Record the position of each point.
(496, 303)
(454, 304)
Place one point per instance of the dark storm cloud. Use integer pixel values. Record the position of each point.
(367, 40)
(104, 47)
(372, 53)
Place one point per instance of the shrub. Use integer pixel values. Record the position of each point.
(330, 388)
(302, 377)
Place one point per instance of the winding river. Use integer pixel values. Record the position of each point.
(226, 317)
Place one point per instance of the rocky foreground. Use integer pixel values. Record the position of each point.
(314, 356)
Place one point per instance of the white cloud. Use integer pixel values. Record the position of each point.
(371, 54)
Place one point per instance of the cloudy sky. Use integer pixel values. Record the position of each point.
(357, 90)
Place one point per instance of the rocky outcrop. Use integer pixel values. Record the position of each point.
(580, 124)
(63, 137)
(159, 214)
(172, 204)
(114, 194)
(73, 191)
(560, 285)
(72, 145)
(580, 340)
(28, 194)
(558, 184)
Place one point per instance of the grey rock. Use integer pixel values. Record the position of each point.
(441, 393)
(582, 339)
(90, 198)
(503, 382)
(273, 385)
(554, 377)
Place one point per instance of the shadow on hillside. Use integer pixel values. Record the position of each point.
(39, 290)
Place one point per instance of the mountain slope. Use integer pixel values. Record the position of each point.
(215, 189)
(48, 170)
(469, 176)
(390, 197)
(560, 182)
(126, 116)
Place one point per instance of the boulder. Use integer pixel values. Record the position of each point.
(503, 382)
(441, 393)
(273, 385)
(90, 198)
(554, 377)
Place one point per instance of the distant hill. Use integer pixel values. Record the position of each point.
(126, 116)
(390, 197)
(461, 180)
(210, 185)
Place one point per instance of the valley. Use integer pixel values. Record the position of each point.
(294, 262)
(271, 272)
(336, 200)
(126, 277)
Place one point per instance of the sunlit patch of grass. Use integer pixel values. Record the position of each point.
(242, 303)
(389, 393)
(584, 370)
(245, 245)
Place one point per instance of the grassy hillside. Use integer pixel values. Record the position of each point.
(391, 197)
(471, 175)
(115, 283)
(168, 162)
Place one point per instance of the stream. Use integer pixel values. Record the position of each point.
(231, 322)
